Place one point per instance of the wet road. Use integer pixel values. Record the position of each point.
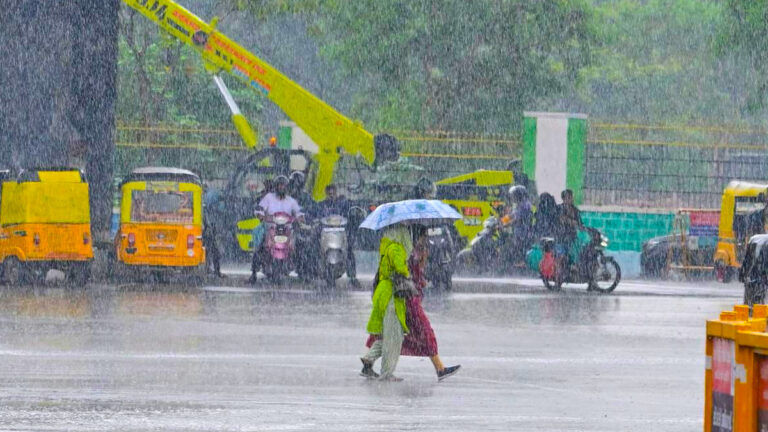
(240, 358)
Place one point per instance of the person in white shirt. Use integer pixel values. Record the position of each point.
(274, 202)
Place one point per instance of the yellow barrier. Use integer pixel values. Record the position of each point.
(737, 352)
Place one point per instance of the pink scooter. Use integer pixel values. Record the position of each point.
(279, 246)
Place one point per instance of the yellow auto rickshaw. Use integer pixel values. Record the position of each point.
(475, 196)
(45, 224)
(740, 199)
(161, 222)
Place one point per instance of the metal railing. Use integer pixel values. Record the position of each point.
(669, 166)
(433, 154)
(633, 165)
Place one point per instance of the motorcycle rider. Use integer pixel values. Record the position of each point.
(521, 218)
(211, 228)
(424, 189)
(335, 204)
(274, 202)
(306, 264)
(756, 220)
(547, 219)
(570, 223)
(296, 183)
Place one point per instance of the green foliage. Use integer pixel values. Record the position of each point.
(265, 9)
(656, 64)
(163, 82)
(743, 36)
(429, 64)
(455, 64)
(466, 66)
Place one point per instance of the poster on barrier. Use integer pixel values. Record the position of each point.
(762, 394)
(722, 385)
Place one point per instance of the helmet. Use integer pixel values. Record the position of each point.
(297, 177)
(425, 188)
(281, 179)
(517, 193)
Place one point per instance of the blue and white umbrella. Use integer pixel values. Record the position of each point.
(423, 212)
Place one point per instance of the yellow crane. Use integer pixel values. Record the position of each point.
(331, 131)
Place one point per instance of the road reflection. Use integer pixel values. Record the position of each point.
(506, 310)
(256, 305)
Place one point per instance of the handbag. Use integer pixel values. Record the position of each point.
(403, 287)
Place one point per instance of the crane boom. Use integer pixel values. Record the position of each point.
(327, 128)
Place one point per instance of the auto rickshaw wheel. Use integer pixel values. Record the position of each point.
(160, 277)
(551, 284)
(14, 272)
(723, 272)
(79, 274)
(330, 277)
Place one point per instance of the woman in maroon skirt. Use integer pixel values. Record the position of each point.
(420, 341)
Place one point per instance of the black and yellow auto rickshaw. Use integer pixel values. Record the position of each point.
(740, 199)
(45, 224)
(161, 221)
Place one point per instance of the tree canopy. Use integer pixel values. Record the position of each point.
(470, 66)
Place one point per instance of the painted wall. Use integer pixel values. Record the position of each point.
(627, 230)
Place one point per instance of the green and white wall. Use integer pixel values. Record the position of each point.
(553, 151)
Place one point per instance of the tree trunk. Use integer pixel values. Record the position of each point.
(58, 90)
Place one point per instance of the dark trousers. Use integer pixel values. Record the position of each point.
(351, 264)
(212, 251)
(256, 260)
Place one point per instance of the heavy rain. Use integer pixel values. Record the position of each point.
(383, 215)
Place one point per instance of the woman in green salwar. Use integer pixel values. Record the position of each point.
(387, 320)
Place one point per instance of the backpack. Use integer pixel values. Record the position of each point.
(547, 265)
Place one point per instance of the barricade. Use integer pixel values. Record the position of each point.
(736, 390)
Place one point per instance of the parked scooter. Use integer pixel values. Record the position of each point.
(333, 248)
(441, 257)
(600, 272)
(279, 246)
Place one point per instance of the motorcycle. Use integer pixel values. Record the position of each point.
(600, 272)
(481, 255)
(333, 247)
(490, 251)
(440, 261)
(279, 246)
(329, 240)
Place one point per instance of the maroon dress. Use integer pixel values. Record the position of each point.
(421, 341)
